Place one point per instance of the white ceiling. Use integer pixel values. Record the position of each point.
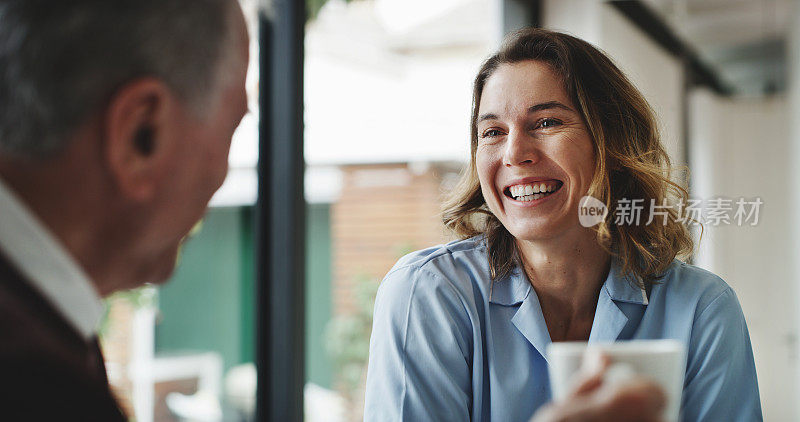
(742, 40)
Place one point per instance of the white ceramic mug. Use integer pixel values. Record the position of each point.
(662, 361)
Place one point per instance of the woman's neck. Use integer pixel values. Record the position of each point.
(567, 276)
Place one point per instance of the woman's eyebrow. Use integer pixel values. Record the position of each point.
(532, 109)
(487, 116)
(546, 106)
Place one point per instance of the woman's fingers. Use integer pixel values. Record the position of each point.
(607, 393)
(636, 400)
(587, 385)
(590, 377)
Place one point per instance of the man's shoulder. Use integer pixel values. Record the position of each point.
(37, 386)
(43, 361)
(30, 326)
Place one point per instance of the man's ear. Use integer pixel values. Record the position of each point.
(135, 136)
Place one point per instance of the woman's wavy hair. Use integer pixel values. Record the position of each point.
(630, 162)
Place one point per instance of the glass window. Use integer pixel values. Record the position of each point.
(388, 88)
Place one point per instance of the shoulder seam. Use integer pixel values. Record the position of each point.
(408, 319)
(419, 264)
(727, 289)
(405, 342)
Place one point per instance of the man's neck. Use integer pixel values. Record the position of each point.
(45, 263)
(61, 200)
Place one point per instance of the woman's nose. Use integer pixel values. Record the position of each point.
(520, 150)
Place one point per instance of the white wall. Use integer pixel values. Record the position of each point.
(738, 148)
(741, 148)
(580, 18)
(657, 73)
(794, 121)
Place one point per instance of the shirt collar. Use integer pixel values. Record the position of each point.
(609, 320)
(511, 289)
(47, 265)
(623, 288)
(515, 287)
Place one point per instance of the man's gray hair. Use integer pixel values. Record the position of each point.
(62, 59)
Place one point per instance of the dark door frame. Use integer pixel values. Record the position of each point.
(280, 215)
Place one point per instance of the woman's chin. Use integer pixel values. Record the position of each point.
(533, 230)
(533, 234)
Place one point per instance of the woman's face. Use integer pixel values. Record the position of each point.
(535, 158)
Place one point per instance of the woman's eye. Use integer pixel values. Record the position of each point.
(549, 123)
(490, 133)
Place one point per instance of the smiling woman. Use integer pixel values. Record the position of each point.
(460, 330)
(551, 75)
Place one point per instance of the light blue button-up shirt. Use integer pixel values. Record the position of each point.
(447, 345)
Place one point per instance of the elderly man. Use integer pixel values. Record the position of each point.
(116, 122)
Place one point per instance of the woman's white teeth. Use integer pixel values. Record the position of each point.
(533, 191)
(535, 196)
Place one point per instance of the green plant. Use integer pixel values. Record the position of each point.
(137, 298)
(347, 336)
(313, 7)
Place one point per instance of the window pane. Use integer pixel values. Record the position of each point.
(387, 102)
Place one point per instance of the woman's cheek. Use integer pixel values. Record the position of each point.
(486, 160)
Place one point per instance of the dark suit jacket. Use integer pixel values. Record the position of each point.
(48, 371)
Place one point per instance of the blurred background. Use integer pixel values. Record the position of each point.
(387, 90)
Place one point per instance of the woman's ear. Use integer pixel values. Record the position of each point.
(135, 137)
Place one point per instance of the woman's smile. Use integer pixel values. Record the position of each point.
(535, 158)
(530, 193)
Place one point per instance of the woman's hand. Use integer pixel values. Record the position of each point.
(593, 400)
